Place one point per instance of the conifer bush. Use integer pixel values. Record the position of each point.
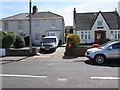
(73, 41)
(19, 42)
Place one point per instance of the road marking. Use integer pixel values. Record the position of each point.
(106, 78)
(62, 79)
(27, 76)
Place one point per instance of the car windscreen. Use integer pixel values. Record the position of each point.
(49, 40)
(105, 45)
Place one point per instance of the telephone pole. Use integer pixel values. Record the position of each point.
(30, 29)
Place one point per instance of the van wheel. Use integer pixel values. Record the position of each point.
(99, 59)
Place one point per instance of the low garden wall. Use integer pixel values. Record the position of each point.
(20, 51)
(79, 51)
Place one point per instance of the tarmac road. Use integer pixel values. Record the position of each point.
(52, 70)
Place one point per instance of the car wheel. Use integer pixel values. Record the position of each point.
(99, 59)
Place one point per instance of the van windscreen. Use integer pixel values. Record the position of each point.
(49, 40)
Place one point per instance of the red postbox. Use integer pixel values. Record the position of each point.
(69, 44)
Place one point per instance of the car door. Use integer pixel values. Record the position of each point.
(116, 50)
(113, 51)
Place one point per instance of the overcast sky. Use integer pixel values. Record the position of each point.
(61, 7)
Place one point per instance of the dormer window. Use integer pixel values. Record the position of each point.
(99, 23)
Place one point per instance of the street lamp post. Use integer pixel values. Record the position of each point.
(30, 35)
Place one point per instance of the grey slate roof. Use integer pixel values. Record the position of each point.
(36, 15)
(45, 15)
(18, 16)
(85, 21)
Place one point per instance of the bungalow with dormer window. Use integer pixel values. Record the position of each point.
(97, 25)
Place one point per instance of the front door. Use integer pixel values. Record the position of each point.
(100, 35)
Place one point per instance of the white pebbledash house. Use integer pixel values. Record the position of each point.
(43, 24)
(97, 25)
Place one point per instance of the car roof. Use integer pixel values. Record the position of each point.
(113, 42)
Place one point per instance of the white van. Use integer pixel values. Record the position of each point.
(49, 43)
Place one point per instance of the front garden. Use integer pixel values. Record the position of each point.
(17, 43)
(73, 48)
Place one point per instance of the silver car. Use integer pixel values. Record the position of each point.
(110, 50)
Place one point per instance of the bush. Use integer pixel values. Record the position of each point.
(74, 38)
(73, 41)
(19, 42)
(8, 40)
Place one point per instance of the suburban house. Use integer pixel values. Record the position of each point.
(97, 25)
(43, 24)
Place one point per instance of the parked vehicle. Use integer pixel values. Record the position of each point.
(49, 43)
(110, 50)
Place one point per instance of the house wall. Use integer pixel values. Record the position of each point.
(41, 30)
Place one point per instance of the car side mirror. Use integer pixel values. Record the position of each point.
(110, 48)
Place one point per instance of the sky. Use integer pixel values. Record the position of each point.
(60, 7)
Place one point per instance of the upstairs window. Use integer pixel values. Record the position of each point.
(99, 23)
(37, 24)
(20, 25)
(53, 23)
(6, 27)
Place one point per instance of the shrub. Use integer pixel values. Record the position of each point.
(8, 39)
(19, 42)
(73, 41)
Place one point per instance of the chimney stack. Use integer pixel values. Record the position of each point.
(74, 15)
(35, 9)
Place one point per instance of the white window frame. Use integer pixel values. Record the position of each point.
(6, 25)
(37, 24)
(115, 35)
(82, 34)
(119, 35)
(51, 34)
(20, 25)
(89, 35)
(100, 23)
(52, 23)
(85, 35)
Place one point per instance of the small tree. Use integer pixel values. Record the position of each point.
(19, 42)
(8, 39)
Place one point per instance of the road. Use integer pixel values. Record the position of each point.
(53, 70)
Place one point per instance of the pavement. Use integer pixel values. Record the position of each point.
(59, 54)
